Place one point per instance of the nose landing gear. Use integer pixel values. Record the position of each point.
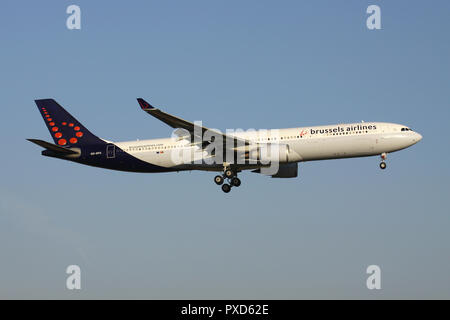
(232, 179)
(382, 163)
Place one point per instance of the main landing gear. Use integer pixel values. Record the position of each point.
(232, 180)
(382, 163)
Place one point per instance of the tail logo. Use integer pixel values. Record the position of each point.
(65, 130)
(58, 134)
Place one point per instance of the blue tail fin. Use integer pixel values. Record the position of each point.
(65, 130)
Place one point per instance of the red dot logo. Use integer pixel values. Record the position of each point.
(70, 124)
(49, 119)
(58, 135)
(51, 124)
(54, 129)
(76, 128)
(79, 134)
(64, 123)
(62, 142)
(73, 140)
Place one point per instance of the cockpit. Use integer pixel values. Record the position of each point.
(406, 129)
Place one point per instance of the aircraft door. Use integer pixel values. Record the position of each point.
(110, 151)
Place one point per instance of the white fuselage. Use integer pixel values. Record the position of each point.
(303, 144)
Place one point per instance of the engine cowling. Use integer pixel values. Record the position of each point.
(268, 153)
(287, 170)
(283, 170)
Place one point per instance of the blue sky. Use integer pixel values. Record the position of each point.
(231, 64)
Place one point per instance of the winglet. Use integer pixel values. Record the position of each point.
(144, 104)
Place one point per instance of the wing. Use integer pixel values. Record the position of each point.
(192, 128)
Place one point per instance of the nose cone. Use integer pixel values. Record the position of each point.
(417, 137)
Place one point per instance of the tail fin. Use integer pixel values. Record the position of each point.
(64, 128)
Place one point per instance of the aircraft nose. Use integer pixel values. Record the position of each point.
(417, 137)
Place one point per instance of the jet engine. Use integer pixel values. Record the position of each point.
(287, 170)
(284, 170)
(268, 153)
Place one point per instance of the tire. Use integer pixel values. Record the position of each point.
(229, 173)
(383, 165)
(235, 182)
(226, 188)
(218, 180)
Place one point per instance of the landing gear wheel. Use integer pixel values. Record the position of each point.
(383, 165)
(218, 180)
(229, 173)
(226, 188)
(235, 182)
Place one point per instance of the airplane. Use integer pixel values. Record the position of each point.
(192, 146)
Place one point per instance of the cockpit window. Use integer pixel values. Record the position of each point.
(406, 129)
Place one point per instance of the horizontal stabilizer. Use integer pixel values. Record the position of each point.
(52, 147)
